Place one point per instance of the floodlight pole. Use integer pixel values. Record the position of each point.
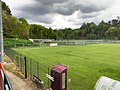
(1, 36)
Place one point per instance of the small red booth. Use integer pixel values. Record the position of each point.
(59, 73)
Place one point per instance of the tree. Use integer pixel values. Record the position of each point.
(24, 28)
(12, 26)
(113, 33)
(15, 28)
(101, 29)
(6, 9)
(9, 25)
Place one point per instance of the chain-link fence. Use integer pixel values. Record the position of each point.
(83, 42)
(62, 42)
(31, 69)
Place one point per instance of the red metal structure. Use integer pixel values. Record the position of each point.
(4, 81)
(2, 72)
(59, 73)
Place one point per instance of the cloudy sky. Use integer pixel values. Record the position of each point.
(64, 13)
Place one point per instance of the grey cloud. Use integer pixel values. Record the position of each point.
(43, 19)
(50, 2)
(38, 18)
(41, 8)
(37, 9)
(87, 15)
(78, 23)
(69, 7)
(90, 9)
(64, 7)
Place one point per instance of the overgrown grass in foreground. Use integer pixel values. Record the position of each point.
(86, 63)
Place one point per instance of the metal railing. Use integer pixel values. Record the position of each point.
(4, 81)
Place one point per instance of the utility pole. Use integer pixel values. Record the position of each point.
(1, 36)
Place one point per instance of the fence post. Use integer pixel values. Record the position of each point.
(25, 67)
(12, 56)
(16, 61)
(21, 63)
(38, 69)
(48, 78)
(30, 68)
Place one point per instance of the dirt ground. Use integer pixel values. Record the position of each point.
(18, 83)
(16, 78)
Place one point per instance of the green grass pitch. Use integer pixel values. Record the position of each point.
(86, 63)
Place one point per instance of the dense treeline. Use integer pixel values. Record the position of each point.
(103, 30)
(13, 27)
(19, 28)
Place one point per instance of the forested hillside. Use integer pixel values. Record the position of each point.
(14, 27)
(19, 28)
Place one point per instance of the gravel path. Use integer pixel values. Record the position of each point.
(17, 81)
(20, 84)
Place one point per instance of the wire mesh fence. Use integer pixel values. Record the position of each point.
(61, 43)
(84, 42)
(30, 68)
